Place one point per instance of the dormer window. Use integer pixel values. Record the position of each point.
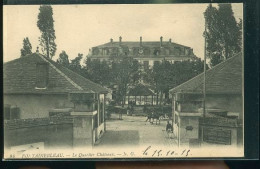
(42, 74)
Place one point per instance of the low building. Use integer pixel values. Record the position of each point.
(141, 95)
(35, 87)
(146, 52)
(221, 122)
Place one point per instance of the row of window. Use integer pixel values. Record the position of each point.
(142, 51)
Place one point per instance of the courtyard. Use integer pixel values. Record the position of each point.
(134, 131)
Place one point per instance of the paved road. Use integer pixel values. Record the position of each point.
(134, 131)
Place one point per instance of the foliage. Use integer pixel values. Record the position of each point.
(46, 26)
(120, 73)
(75, 63)
(124, 74)
(98, 71)
(27, 47)
(164, 76)
(63, 59)
(223, 34)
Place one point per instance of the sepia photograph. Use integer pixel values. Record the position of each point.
(123, 81)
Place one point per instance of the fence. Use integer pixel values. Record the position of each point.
(53, 132)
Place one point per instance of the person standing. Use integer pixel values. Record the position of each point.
(169, 129)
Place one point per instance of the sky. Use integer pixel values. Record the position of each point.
(80, 27)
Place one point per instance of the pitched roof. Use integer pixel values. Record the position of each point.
(140, 90)
(131, 44)
(20, 77)
(224, 78)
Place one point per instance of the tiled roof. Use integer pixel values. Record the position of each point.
(140, 90)
(144, 44)
(224, 78)
(20, 77)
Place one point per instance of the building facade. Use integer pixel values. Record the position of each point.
(146, 52)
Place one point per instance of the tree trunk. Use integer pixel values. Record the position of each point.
(226, 52)
(157, 98)
(161, 93)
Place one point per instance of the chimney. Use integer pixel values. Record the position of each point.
(170, 40)
(111, 40)
(141, 40)
(120, 40)
(161, 39)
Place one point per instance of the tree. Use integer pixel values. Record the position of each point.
(75, 63)
(27, 47)
(166, 75)
(124, 73)
(121, 73)
(223, 33)
(46, 26)
(63, 59)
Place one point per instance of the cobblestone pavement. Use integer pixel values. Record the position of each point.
(133, 130)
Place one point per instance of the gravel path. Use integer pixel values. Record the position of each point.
(134, 131)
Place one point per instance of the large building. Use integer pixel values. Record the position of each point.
(146, 52)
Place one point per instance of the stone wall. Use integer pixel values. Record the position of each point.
(52, 135)
(37, 106)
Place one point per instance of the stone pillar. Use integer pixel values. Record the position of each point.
(82, 130)
(82, 119)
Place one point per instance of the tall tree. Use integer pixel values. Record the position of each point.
(27, 47)
(63, 59)
(166, 75)
(98, 71)
(124, 73)
(223, 33)
(75, 63)
(46, 26)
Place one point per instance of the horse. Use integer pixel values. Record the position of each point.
(156, 117)
(149, 117)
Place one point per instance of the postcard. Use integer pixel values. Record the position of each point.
(123, 81)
